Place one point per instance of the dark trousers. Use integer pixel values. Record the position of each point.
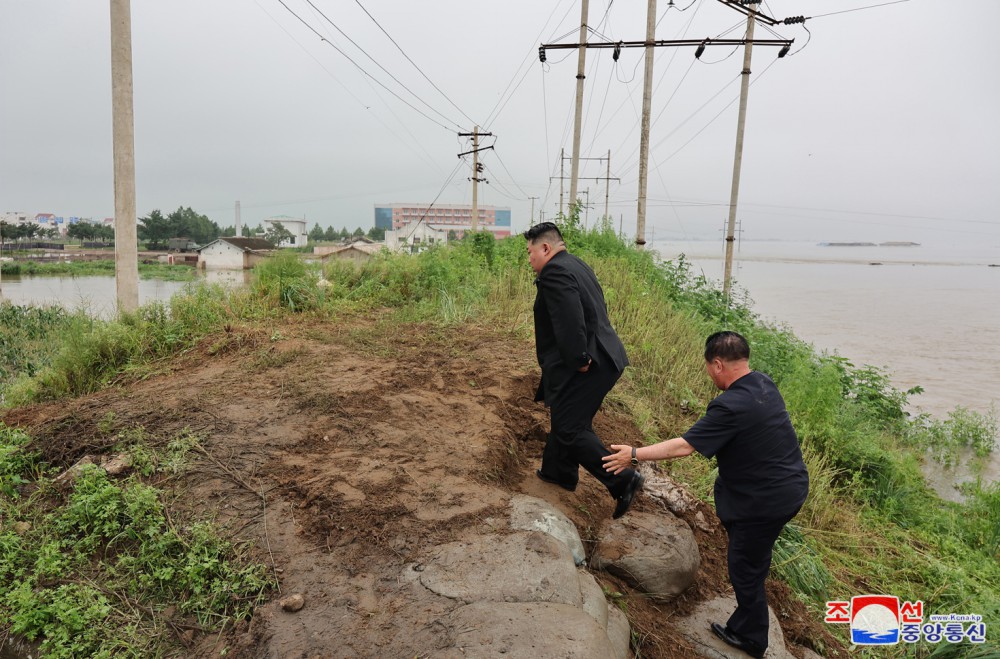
(750, 545)
(572, 442)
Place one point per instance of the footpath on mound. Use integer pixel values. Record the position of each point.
(385, 473)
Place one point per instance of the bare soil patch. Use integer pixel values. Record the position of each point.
(345, 451)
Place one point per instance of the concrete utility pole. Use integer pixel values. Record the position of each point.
(475, 179)
(738, 159)
(607, 184)
(123, 130)
(647, 100)
(562, 177)
(581, 61)
(476, 169)
(700, 44)
(532, 210)
(239, 224)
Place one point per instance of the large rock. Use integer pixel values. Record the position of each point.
(697, 628)
(525, 566)
(619, 632)
(533, 514)
(539, 630)
(656, 553)
(594, 601)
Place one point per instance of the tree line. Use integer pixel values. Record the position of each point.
(157, 229)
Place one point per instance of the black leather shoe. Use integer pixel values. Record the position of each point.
(571, 488)
(737, 641)
(625, 499)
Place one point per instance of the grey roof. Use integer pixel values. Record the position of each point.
(246, 244)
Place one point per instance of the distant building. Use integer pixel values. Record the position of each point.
(414, 237)
(457, 218)
(296, 226)
(46, 218)
(356, 252)
(231, 253)
(15, 217)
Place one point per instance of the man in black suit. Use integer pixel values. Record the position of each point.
(581, 359)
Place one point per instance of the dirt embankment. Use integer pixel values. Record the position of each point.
(347, 450)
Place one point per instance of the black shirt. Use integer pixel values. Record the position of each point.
(761, 473)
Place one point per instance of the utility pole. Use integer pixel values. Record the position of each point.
(738, 159)
(581, 61)
(607, 184)
(647, 99)
(239, 224)
(649, 44)
(475, 179)
(477, 167)
(606, 179)
(562, 177)
(123, 132)
(586, 217)
(532, 210)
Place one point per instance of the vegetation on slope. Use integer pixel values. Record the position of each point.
(870, 525)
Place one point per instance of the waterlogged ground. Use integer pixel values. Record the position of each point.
(345, 451)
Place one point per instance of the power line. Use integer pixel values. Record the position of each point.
(412, 62)
(398, 82)
(846, 11)
(352, 95)
(359, 67)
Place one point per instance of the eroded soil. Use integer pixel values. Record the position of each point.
(344, 451)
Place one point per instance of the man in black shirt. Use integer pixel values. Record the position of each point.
(762, 480)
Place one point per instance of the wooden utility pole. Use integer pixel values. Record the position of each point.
(647, 99)
(123, 131)
(738, 159)
(577, 121)
(476, 169)
(475, 179)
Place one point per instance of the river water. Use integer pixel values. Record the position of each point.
(929, 315)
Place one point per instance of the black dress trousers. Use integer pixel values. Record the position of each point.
(572, 442)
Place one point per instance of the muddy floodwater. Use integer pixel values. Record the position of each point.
(928, 314)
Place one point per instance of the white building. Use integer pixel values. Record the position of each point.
(414, 237)
(293, 225)
(231, 253)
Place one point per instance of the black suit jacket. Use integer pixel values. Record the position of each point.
(571, 324)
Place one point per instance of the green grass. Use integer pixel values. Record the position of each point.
(95, 571)
(870, 524)
(102, 267)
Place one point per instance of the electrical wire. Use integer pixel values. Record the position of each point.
(447, 182)
(358, 2)
(355, 44)
(846, 11)
(291, 36)
(512, 179)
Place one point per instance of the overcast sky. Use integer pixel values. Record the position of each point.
(880, 125)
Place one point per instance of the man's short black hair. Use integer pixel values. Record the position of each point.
(727, 346)
(544, 231)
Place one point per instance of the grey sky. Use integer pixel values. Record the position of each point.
(886, 116)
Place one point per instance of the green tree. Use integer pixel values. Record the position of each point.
(358, 232)
(229, 231)
(344, 234)
(316, 235)
(376, 233)
(277, 234)
(186, 223)
(330, 234)
(154, 229)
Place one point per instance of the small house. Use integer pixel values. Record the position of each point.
(356, 252)
(414, 237)
(233, 253)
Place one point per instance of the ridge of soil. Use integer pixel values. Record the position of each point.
(345, 450)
